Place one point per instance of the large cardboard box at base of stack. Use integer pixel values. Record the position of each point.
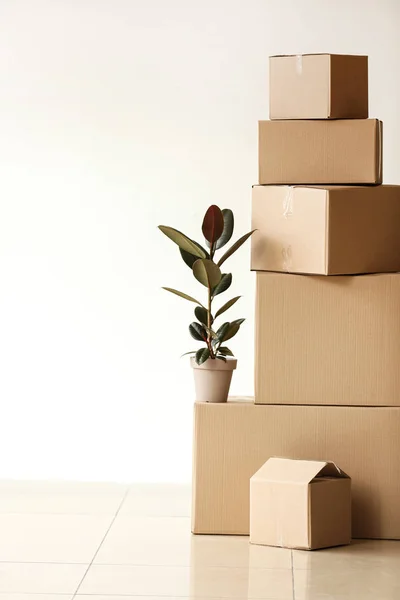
(327, 354)
(233, 440)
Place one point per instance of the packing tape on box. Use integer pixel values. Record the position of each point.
(288, 203)
(287, 259)
(299, 64)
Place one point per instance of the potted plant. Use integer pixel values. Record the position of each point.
(213, 362)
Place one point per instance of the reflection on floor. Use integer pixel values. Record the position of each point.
(114, 542)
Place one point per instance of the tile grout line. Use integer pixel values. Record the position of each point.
(293, 590)
(101, 543)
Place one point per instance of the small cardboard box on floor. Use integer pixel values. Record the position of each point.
(332, 230)
(327, 340)
(233, 440)
(318, 86)
(320, 152)
(300, 504)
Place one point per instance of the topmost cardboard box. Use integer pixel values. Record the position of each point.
(318, 86)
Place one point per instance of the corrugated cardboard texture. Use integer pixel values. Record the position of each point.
(278, 518)
(232, 441)
(330, 513)
(300, 504)
(320, 152)
(287, 470)
(327, 340)
(327, 231)
(318, 86)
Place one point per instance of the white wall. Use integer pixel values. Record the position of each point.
(115, 116)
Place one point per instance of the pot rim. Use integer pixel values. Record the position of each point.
(215, 364)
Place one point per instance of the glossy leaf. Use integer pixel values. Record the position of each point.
(221, 357)
(201, 314)
(207, 272)
(182, 241)
(189, 258)
(210, 332)
(197, 332)
(235, 247)
(191, 352)
(238, 321)
(202, 355)
(227, 305)
(182, 295)
(225, 351)
(213, 224)
(232, 330)
(222, 331)
(224, 284)
(228, 228)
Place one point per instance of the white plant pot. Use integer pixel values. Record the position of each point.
(212, 379)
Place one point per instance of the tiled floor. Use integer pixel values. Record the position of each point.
(112, 542)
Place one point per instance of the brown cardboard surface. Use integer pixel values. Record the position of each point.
(330, 513)
(320, 152)
(293, 504)
(327, 340)
(232, 441)
(334, 230)
(318, 86)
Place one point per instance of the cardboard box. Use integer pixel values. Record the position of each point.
(318, 86)
(320, 152)
(327, 340)
(233, 440)
(327, 231)
(300, 504)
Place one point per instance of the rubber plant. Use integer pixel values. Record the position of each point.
(217, 229)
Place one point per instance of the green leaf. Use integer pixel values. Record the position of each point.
(221, 357)
(189, 258)
(207, 272)
(197, 332)
(225, 351)
(202, 315)
(191, 352)
(202, 355)
(224, 284)
(213, 224)
(228, 228)
(182, 241)
(235, 247)
(226, 306)
(212, 333)
(182, 295)
(232, 330)
(222, 331)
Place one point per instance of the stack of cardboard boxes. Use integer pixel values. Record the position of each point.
(327, 374)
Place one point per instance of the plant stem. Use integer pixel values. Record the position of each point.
(209, 338)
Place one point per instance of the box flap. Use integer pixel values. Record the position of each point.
(313, 54)
(285, 470)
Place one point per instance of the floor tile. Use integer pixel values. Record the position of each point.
(101, 597)
(157, 500)
(7, 596)
(31, 578)
(183, 581)
(347, 584)
(168, 541)
(360, 554)
(60, 497)
(51, 538)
